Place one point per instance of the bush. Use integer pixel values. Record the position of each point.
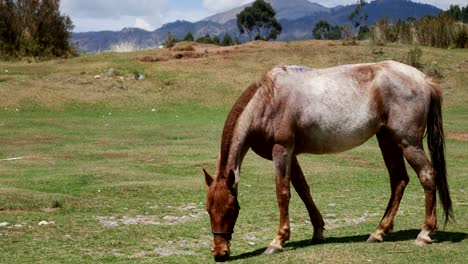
(441, 32)
(413, 57)
(170, 40)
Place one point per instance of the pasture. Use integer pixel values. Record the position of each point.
(97, 169)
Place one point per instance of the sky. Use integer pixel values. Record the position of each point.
(97, 15)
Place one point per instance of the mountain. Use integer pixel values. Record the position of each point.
(297, 17)
(285, 9)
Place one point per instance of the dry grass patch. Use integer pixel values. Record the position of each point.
(458, 136)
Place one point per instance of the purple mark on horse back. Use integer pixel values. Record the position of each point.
(296, 68)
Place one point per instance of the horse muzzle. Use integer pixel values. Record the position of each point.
(221, 256)
(221, 253)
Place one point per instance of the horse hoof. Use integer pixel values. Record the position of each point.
(272, 250)
(318, 240)
(421, 241)
(424, 238)
(373, 239)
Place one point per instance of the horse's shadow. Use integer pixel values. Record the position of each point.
(404, 235)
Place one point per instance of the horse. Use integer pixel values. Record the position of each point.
(292, 110)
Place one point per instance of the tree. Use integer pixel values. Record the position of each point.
(457, 13)
(363, 33)
(34, 28)
(216, 40)
(335, 32)
(189, 37)
(236, 40)
(227, 40)
(357, 17)
(258, 21)
(205, 39)
(170, 40)
(323, 30)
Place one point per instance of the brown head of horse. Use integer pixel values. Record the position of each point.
(294, 109)
(223, 208)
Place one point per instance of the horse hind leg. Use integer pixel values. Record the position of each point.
(302, 188)
(393, 158)
(416, 157)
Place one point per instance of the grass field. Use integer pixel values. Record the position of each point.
(113, 165)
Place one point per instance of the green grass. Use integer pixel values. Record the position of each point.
(122, 183)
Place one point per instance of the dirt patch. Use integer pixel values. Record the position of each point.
(165, 252)
(458, 136)
(192, 50)
(113, 155)
(191, 213)
(19, 211)
(331, 222)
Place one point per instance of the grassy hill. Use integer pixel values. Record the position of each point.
(113, 164)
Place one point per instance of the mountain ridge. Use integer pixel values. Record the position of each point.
(297, 17)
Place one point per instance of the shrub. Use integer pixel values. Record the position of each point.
(413, 57)
(441, 32)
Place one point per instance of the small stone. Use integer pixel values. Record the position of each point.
(43, 222)
(97, 76)
(153, 110)
(251, 243)
(4, 224)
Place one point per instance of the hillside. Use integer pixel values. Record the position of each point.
(297, 17)
(98, 167)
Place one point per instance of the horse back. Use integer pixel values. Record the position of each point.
(334, 109)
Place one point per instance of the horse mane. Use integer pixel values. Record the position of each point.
(233, 117)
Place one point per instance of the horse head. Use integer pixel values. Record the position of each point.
(223, 208)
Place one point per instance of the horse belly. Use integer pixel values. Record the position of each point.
(332, 131)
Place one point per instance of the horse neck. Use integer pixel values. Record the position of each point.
(232, 158)
(235, 133)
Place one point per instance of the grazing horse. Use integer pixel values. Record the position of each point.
(293, 110)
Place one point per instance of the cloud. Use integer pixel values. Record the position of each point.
(92, 15)
(112, 8)
(443, 4)
(214, 6)
(141, 23)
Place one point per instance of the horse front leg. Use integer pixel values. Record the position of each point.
(282, 162)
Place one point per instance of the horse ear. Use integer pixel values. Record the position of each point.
(208, 178)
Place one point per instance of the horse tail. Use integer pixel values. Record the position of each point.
(436, 145)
